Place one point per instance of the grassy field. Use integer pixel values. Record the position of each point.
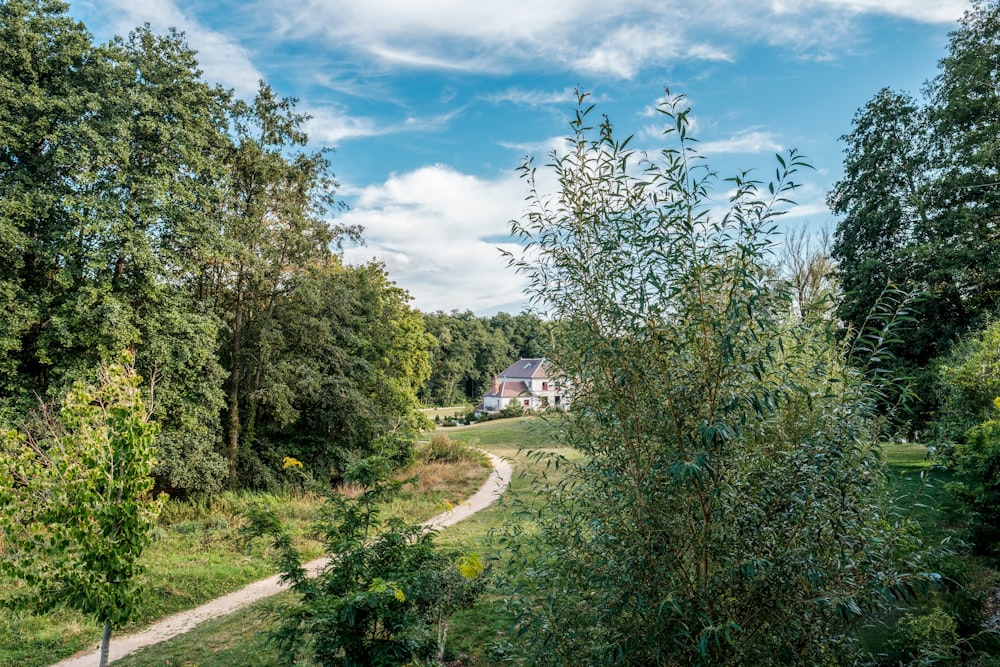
(448, 412)
(241, 639)
(198, 555)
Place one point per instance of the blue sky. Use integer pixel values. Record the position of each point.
(431, 105)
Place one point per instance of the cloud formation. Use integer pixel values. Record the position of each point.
(512, 36)
(439, 233)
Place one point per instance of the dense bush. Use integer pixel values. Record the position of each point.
(386, 595)
(729, 505)
(977, 487)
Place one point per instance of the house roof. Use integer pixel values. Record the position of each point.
(527, 368)
(509, 390)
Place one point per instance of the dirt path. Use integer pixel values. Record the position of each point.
(186, 620)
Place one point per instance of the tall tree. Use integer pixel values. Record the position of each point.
(273, 227)
(107, 176)
(48, 71)
(919, 199)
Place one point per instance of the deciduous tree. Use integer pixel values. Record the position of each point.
(75, 504)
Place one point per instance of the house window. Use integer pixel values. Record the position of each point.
(557, 399)
(527, 402)
(545, 386)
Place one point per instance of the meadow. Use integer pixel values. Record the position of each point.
(478, 636)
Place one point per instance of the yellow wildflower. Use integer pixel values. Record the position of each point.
(290, 462)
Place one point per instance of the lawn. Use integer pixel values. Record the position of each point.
(198, 555)
(241, 639)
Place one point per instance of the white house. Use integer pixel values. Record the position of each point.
(529, 382)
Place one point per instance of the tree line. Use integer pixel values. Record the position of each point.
(143, 209)
(918, 206)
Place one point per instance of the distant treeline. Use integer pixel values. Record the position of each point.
(469, 350)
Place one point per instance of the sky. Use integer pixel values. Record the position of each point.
(431, 105)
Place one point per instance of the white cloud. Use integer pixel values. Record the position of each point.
(222, 59)
(626, 49)
(438, 232)
(745, 141)
(539, 149)
(331, 126)
(533, 98)
(925, 11)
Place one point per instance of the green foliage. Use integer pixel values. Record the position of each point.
(75, 503)
(926, 639)
(968, 381)
(729, 505)
(345, 383)
(145, 209)
(918, 200)
(385, 589)
(512, 409)
(977, 485)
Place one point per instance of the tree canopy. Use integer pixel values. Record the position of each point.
(143, 208)
(919, 201)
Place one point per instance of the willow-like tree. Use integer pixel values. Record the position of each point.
(728, 506)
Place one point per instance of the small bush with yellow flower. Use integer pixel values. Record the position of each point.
(387, 594)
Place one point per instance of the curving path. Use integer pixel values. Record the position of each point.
(183, 621)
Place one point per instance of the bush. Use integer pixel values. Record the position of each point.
(977, 489)
(387, 594)
(729, 504)
(969, 380)
(442, 449)
(925, 639)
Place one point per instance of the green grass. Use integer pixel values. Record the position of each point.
(240, 639)
(198, 555)
(447, 412)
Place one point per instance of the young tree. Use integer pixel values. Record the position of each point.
(728, 507)
(386, 589)
(75, 504)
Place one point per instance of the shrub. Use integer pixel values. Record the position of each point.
(387, 594)
(729, 505)
(977, 488)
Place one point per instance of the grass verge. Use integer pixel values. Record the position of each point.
(198, 555)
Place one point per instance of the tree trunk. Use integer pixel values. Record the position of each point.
(105, 644)
(234, 390)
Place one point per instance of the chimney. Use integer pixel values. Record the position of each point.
(496, 383)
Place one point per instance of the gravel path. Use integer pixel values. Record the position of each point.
(181, 622)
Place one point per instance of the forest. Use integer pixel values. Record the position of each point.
(179, 323)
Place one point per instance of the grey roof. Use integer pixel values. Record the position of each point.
(527, 368)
